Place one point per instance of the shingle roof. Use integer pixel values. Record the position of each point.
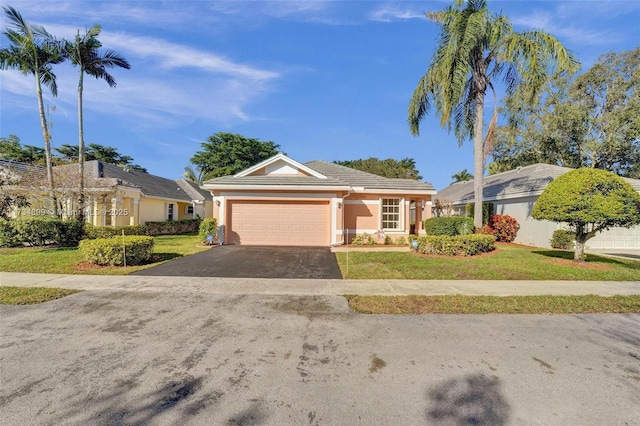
(193, 190)
(24, 169)
(521, 182)
(337, 176)
(150, 185)
(355, 177)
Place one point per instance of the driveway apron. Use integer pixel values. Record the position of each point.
(253, 262)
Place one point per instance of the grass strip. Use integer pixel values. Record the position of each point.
(459, 304)
(31, 295)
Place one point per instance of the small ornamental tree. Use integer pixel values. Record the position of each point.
(588, 201)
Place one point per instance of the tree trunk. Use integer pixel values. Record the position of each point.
(47, 143)
(478, 161)
(578, 254)
(80, 210)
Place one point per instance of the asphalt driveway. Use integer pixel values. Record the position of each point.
(253, 262)
(191, 358)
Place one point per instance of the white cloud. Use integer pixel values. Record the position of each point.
(551, 24)
(171, 55)
(394, 12)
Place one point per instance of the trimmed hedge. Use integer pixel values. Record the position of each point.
(93, 232)
(451, 225)
(112, 251)
(40, 231)
(173, 227)
(458, 245)
(8, 237)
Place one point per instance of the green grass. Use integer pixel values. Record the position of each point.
(508, 262)
(31, 295)
(70, 260)
(458, 304)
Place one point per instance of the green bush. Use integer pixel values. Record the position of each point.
(458, 245)
(487, 210)
(401, 241)
(505, 228)
(208, 227)
(173, 227)
(563, 239)
(69, 232)
(36, 230)
(109, 251)
(93, 232)
(8, 236)
(388, 240)
(451, 225)
(363, 240)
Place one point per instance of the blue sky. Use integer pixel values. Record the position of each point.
(326, 80)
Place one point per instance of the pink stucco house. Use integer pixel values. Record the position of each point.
(282, 202)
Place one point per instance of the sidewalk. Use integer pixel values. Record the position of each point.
(317, 287)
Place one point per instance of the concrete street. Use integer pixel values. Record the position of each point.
(163, 351)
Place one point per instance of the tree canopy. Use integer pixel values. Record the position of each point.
(589, 120)
(390, 168)
(476, 49)
(226, 154)
(588, 201)
(11, 149)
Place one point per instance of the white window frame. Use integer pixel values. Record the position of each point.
(399, 213)
(187, 207)
(170, 211)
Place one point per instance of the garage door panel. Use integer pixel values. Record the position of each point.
(279, 223)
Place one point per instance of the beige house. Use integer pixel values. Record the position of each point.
(282, 202)
(140, 197)
(115, 196)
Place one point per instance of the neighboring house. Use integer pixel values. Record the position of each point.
(115, 196)
(282, 202)
(514, 193)
(142, 197)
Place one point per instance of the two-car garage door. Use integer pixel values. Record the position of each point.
(291, 223)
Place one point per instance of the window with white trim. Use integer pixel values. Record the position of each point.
(188, 209)
(170, 212)
(391, 213)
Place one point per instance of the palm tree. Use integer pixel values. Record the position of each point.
(475, 48)
(195, 175)
(462, 176)
(83, 52)
(33, 50)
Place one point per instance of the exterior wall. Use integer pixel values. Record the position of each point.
(153, 210)
(532, 232)
(363, 214)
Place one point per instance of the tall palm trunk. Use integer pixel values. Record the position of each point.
(478, 160)
(80, 210)
(47, 143)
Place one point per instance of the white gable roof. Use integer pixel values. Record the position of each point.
(280, 164)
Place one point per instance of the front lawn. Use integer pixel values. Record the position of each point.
(508, 262)
(70, 260)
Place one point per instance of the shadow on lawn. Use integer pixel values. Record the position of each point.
(568, 255)
(162, 257)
